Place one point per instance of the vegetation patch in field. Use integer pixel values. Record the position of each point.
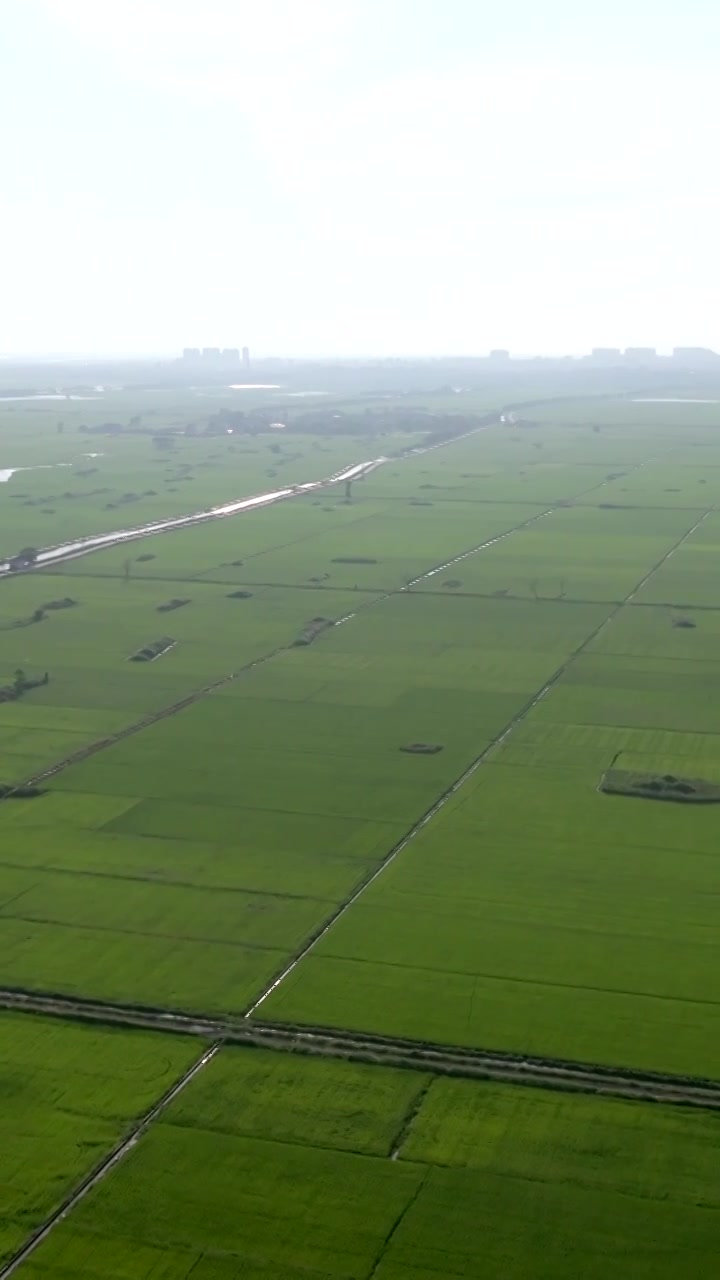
(422, 748)
(66, 602)
(685, 624)
(8, 791)
(176, 603)
(653, 786)
(312, 630)
(20, 685)
(154, 650)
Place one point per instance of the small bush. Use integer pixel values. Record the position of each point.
(311, 631)
(10, 792)
(169, 605)
(153, 650)
(66, 602)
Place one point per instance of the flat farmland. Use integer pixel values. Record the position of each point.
(94, 688)
(383, 548)
(158, 462)
(220, 550)
(548, 916)
(387, 798)
(115, 602)
(175, 885)
(689, 579)
(575, 553)
(70, 1094)
(669, 485)
(489, 467)
(171, 882)
(570, 932)
(536, 913)
(336, 1170)
(659, 416)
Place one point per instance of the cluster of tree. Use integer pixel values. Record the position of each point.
(104, 429)
(25, 558)
(335, 421)
(331, 420)
(20, 685)
(135, 426)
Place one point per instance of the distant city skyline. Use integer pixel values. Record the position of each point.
(236, 357)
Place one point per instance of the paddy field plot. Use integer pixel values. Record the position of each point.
(70, 1092)
(488, 468)
(576, 553)
(384, 548)
(173, 882)
(536, 913)
(95, 689)
(336, 1170)
(317, 540)
(686, 413)
(689, 579)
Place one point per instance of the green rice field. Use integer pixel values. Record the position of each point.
(360, 789)
(70, 1093)
(314, 1168)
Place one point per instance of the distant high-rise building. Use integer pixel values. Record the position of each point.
(499, 354)
(605, 355)
(215, 357)
(640, 355)
(695, 355)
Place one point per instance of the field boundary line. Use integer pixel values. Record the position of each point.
(490, 748)
(119, 931)
(106, 1165)
(406, 1124)
(97, 874)
(429, 1057)
(399, 1221)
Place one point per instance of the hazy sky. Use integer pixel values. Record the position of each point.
(359, 176)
